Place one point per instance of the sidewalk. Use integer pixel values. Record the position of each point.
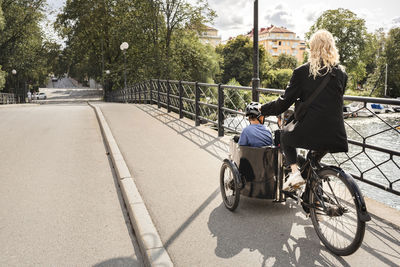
(176, 169)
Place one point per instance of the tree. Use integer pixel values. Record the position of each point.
(392, 55)
(1, 16)
(21, 41)
(2, 73)
(95, 29)
(285, 61)
(177, 15)
(2, 79)
(237, 60)
(349, 32)
(193, 60)
(278, 78)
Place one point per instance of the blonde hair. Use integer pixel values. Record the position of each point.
(323, 53)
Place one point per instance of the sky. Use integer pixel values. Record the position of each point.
(236, 16)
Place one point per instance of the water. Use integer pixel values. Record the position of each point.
(380, 135)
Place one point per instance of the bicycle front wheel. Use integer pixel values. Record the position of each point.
(334, 213)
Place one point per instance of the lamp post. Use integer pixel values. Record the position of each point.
(123, 47)
(14, 73)
(106, 89)
(255, 82)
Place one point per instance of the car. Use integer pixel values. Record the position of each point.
(41, 96)
(54, 79)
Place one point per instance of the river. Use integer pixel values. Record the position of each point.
(390, 139)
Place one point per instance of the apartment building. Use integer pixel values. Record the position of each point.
(279, 40)
(210, 36)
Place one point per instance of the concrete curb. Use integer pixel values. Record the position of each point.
(19, 105)
(150, 243)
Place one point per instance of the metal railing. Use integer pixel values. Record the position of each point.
(6, 98)
(220, 106)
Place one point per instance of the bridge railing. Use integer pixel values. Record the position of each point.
(6, 98)
(373, 157)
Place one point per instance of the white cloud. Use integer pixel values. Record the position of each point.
(280, 17)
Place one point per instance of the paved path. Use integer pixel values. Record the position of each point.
(59, 201)
(176, 169)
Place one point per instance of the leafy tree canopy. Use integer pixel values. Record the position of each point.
(285, 61)
(153, 29)
(349, 31)
(237, 60)
(392, 55)
(22, 43)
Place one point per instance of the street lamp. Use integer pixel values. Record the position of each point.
(123, 47)
(14, 72)
(255, 82)
(106, 89)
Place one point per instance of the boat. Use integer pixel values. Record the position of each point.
(348, 113)
(359, 110)
(377, 108)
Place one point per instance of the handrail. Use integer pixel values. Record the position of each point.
(206, 103)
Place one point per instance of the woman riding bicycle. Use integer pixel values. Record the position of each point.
(322, 128)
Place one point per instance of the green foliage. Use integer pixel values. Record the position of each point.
(191, 60)
(237, 60)
(236, 99)
(392, 54)
(1, 16)
(358, 74)
(2, 79)
(285, 61)
(278, 79)
(349, 31)
(22, 43)
(160, 35)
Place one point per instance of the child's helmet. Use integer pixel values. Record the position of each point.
(253, 109)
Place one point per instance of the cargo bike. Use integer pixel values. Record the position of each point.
(330, 197)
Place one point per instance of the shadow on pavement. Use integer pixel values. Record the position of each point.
(119, 262)
(209, 143)
(271, 228)
(267, 227)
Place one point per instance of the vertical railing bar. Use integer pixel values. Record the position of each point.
(140, 94)
(196, 104)
(180, 100)
(158, 96)
(151, 92)
(220, 111)
(168, 99)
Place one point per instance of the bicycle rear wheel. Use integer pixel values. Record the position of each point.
(334, 213)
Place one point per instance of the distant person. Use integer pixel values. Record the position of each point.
(256, 134)
(29, 96)
(34, 95)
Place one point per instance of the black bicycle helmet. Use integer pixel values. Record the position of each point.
(253, 109)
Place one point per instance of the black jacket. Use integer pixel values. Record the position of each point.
(322, 127)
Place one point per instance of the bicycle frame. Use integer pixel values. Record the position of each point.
(314, 167)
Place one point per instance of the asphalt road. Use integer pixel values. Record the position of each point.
(60, 204)
(176, 169)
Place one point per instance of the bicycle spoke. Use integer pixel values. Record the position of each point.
(334, 214)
